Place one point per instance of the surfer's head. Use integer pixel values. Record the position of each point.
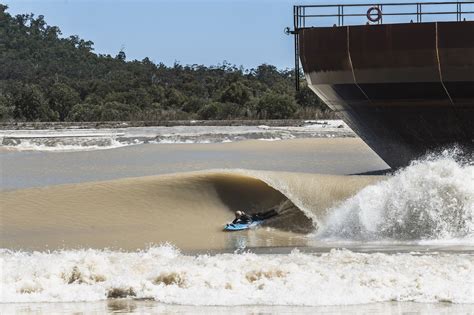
(239, 213)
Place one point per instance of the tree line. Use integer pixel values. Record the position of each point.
(46, 77)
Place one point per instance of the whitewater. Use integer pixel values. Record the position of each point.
(432, 199)
(84, 139)
(164, 274)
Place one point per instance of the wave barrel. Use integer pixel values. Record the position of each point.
(406, 88)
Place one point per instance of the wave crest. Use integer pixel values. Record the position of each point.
(431, 199)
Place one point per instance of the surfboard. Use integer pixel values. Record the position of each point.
(240, 226)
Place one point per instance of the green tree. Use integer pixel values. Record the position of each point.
(30, 103)
(116, 111)
(275, 106)
(236, 93)
(174, 98)
(267, 74)
(121, 56)
(6, 108)
(193, 105)
(307, 98)
(228, 111)
(61, 99)
(85, 112)
(209, 111)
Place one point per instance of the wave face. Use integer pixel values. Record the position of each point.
(187, 209)
(431, 199)
(161, 273)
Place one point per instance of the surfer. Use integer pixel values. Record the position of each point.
(243, 218)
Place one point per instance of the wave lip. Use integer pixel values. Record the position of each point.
(339, 277)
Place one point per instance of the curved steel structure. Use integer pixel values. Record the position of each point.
(405, 88)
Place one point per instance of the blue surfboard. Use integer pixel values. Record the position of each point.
(242, 226)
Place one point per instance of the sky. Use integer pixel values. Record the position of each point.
(241, 32)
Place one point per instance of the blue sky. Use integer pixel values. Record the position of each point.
(242, 32)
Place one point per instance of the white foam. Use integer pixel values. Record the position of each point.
(96, 139)
(28, 145)
(432, 199)
(340, 277)
(332, 123)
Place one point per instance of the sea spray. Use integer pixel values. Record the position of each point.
(162, 273)
(433, 198)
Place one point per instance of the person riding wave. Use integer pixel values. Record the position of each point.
(243, 218)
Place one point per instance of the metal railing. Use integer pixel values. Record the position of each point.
(335, 15)
(305, 15)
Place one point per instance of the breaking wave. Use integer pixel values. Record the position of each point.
(432, 199)
(162, 273)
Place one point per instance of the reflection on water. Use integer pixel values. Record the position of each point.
(123, 306)
(266, 240)
(152, 307)
(263, 237)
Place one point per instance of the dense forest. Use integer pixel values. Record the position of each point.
(47, 77)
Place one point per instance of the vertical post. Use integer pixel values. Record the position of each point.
(296, 21)
(297, 61)
(342, 15)
(417, 13)
(421, 12)
(381, 17)
(339, 15)
(304, 18)
(300, 19)
(459, 10)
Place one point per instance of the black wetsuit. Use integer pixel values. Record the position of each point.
(264, 215)
(245, 218)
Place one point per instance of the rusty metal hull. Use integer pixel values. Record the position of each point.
(405, 89)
